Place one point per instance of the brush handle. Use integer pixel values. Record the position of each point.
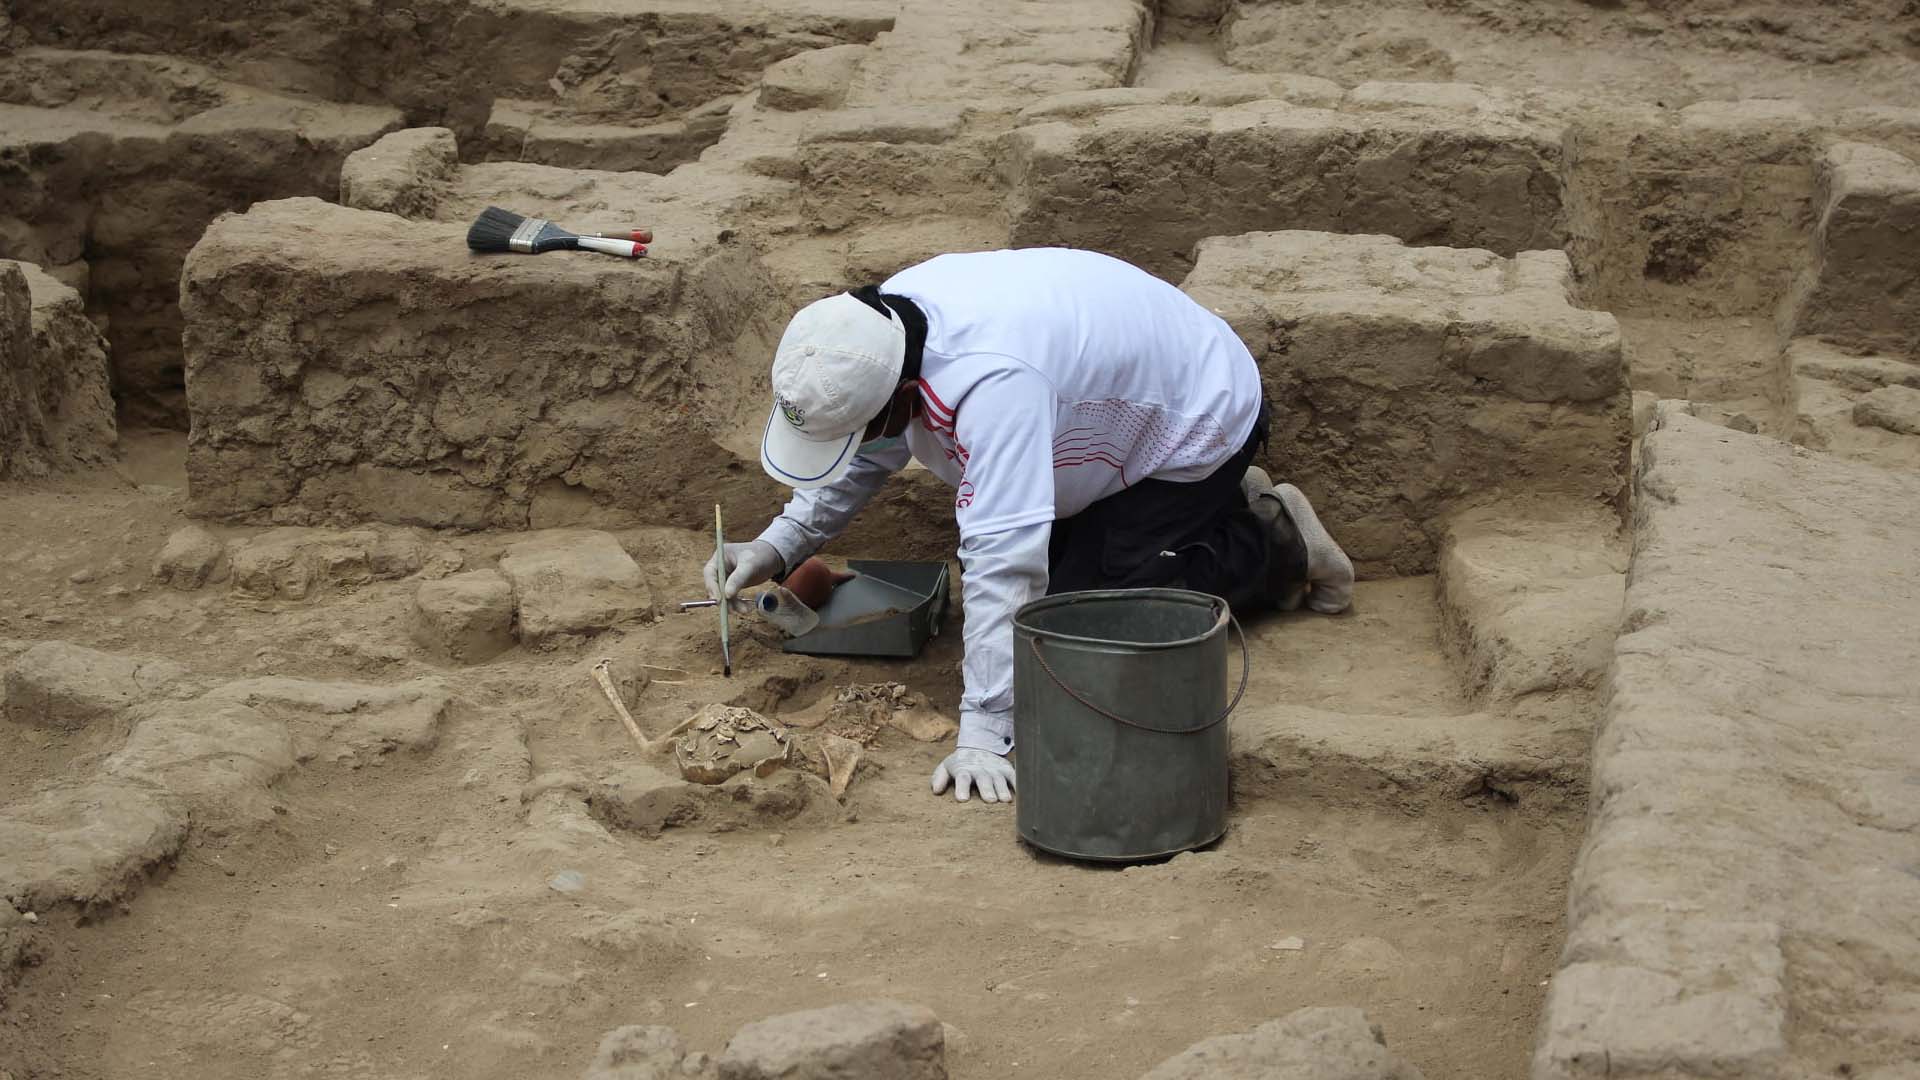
(638, 236)
(720, 552)
(626, 249)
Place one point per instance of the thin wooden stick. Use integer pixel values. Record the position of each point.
(719, 554)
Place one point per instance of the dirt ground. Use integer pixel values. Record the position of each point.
(489, 900)
(400, 919)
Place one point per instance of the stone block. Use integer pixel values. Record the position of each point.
(403, 172)
(1629, 1022)
(1830, 419)
(216, 755)
(1416, 764)
(1409, 382)
(55, 412)
(87, 844)
(1815, 359)
(343, 721)
(543, 134)
(132, 157)
(815, 79)
(466, 618)
(191, 557)
(68, 687)
(1146, 183)
(1891, 408)
(1852, 405)
(868, 1040)
(1731, 911)
(344, 367)
(1029, 51)
(1309, 1044)
(1699, 211)
(573, 581)
(294, 563)
(896, 165)
(1531, 594)
(1860, 290)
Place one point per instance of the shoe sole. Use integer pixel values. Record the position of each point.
(1254, 483)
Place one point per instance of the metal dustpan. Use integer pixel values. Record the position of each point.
(890, 609)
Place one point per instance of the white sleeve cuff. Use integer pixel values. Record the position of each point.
(986, 731)
(787, 538)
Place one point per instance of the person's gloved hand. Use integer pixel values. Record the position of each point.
(983, 769)
(741, 566)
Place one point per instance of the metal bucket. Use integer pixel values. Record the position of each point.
(1119, 717)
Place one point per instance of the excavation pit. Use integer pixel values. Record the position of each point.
(303, 766)
(1412, 835)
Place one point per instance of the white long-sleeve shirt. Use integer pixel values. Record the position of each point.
(1051, 379)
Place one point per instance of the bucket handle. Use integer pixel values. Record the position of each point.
(1246, 669)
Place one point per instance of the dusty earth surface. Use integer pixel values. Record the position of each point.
(400, 917)
(304, 771)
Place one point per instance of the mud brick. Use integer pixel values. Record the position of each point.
(1410, 382)
(403, 173)
(343, 365)
(466, 618)
(1860, 291)
(1146, 183)
(54, 408)
(573, 581)
(869, 1040)
(68, 687)
(1736, 908)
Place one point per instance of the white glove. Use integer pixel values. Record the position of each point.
(746, 565)
(983, 769)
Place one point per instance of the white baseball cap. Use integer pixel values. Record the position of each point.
(837, 366)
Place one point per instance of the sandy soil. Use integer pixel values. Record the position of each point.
(480, 908)
(399, 919)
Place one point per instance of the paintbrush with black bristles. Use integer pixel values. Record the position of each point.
(503, 230)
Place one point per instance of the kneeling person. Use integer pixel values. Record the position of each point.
(1097, 425)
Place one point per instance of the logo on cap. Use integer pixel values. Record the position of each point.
(791, 411)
